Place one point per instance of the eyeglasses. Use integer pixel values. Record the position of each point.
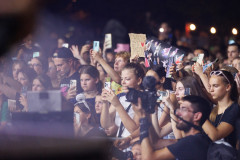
(217, 73)
(183, 109)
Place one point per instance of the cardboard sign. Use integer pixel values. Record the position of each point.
(137, 43)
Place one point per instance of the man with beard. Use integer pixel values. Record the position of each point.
(192, 113)
(64, 62)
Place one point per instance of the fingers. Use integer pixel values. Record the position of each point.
(139, 104)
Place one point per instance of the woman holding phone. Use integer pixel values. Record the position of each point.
(185, 86)
(120, 113)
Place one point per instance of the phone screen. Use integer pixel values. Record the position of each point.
(96, 46)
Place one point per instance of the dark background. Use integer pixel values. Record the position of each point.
(132, 13)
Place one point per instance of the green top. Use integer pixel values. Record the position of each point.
(4, 112)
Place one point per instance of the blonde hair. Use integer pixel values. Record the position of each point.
(213, 114)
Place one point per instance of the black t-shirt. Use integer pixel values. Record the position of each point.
(193, 147)
(65, 83)
(96, 132)
(230, 116)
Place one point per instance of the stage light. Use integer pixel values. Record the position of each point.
(161, 30)
(192, 27)
(234, 31)
(213, 30)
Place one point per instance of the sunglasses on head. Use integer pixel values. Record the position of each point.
(218, 73)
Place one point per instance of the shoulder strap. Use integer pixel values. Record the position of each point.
(121, 129)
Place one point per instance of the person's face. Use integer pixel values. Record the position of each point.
(232, 52)
(119, 64)
(129, 79)
(37, 66)
(63, 66)
(23, 79)
(52, 70)
(37, 86)
(165, 27)
(98, 104)
(218, 88)
(88, 83)
(60, 43)
(186, 112)
(136, 150)
(16, 69)
(28, 41)
(110, 57)
(83, 116)
(180, 90)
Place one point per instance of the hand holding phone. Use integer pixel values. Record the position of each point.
(161, 94)
(107, 85)
(96, 46)
(73, 83)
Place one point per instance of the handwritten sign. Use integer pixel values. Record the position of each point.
(137, 43)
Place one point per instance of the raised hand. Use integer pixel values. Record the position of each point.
(122, 143)
(71, 93)
(85, 49)
(167, 101)
(172, 71)
(96, 55)
(109, 95)
(75, 51)
(198, 68)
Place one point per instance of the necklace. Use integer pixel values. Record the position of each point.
(221, 117)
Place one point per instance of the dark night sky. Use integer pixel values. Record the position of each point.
(223, 14)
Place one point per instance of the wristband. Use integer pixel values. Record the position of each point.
(144, 126)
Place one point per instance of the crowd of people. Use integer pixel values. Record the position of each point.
(197, 107)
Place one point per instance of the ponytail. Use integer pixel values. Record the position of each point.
(213, 114)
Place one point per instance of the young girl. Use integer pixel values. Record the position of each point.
(85, 124)
(91, 85)
(182, 89)
(223, 117)
(39, 65)
(120, 112)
